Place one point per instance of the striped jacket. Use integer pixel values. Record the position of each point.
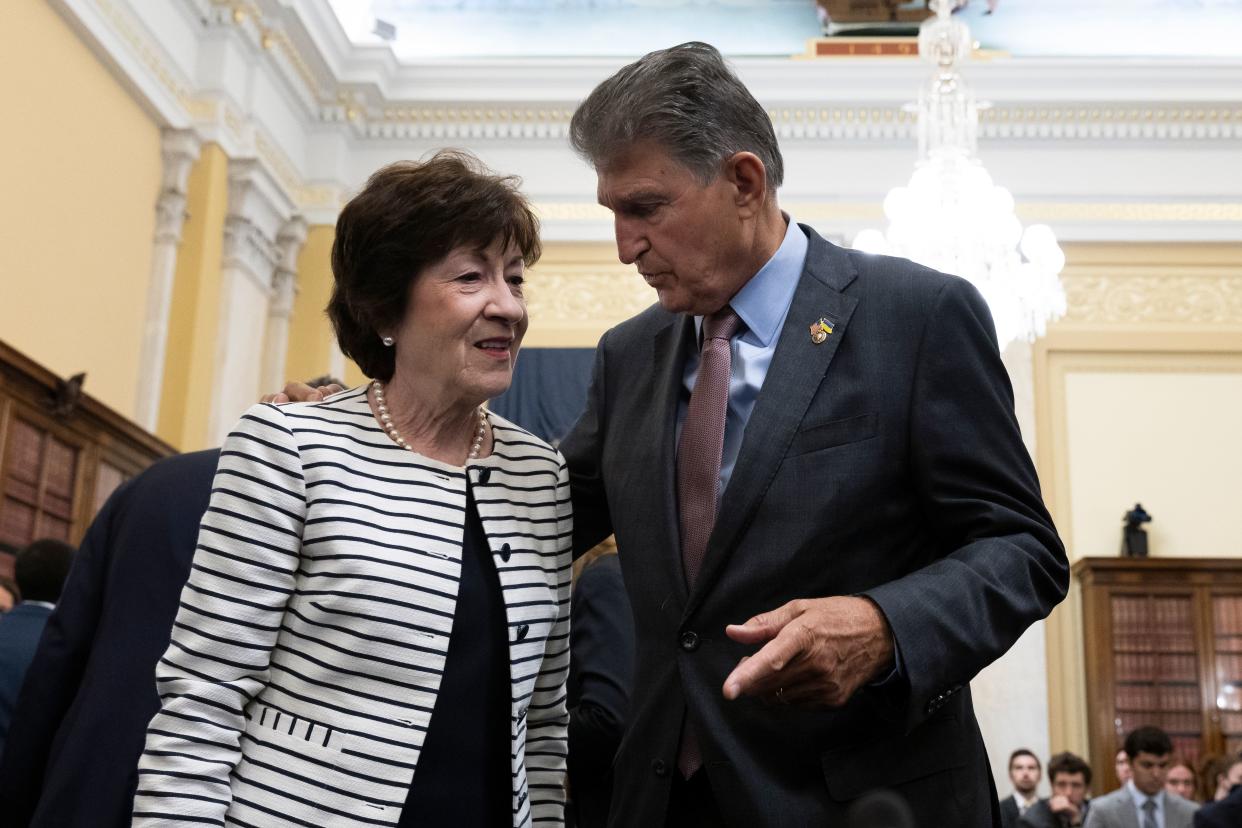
(312, 634)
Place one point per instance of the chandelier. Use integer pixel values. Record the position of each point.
(952, 217)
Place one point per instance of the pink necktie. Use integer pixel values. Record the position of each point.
(698, 470)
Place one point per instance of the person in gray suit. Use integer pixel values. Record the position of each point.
(825, 516)
(1143, 801)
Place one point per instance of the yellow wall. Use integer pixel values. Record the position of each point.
(1137, 393)
(80, 166)
(193, 321)
(310, 334)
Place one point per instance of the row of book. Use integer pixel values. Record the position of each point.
(1152, 667)
(1140, 697)
(1227, 616)
(1153, 624)
(1175, 724)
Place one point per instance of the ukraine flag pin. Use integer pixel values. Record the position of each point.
(820, 329)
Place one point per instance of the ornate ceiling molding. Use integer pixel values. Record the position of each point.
(279, 82)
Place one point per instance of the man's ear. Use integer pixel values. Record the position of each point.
(749, 178)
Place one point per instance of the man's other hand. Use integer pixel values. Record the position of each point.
(301, 392)
(816, 652)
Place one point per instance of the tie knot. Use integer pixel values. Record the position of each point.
(722, 324)
(1149, 806)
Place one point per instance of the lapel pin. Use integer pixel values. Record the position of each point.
(820, 330)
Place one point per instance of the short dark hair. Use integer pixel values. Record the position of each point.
(1069, 763)
(41, 569)
(1148, 739)
(412, 214)
(686, 100)
(1024, 752)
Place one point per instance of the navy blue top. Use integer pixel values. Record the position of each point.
(464, 774)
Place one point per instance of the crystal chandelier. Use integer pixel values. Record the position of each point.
(951, 216)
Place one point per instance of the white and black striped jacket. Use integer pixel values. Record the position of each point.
(312, 633)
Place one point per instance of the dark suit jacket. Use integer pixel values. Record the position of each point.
(1009, 812)
(601, 675)
(1224, 814)
(73, 751)
(1040, 815)
(20, 629)
(886, 462)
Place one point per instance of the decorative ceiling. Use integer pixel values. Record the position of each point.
(436, 29)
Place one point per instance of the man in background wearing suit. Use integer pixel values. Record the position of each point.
(1143, 802)
(825, 516)
(40, 571)
(824, 512)
(1227, 812)
(1070, 778)
(72, 754)
(1024, 773)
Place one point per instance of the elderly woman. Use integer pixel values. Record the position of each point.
(375, 628)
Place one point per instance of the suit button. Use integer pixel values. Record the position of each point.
(505, 552)
(485, 475)
(689, 641)
(659, 768)
(522, 630)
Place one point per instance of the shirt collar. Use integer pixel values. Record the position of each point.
(763, 300)
(44, 604)
(1139, 797)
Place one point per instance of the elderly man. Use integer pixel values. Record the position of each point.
(824, 512)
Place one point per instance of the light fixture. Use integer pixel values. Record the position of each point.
(952, 217)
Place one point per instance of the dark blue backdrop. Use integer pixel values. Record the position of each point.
(549, 390)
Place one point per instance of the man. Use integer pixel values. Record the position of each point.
(1070, 778)
(849, 420)
(1024, 774)
(1227, 812)
(73, 750)
(40, 572)
(601, 674)
(1143, 802)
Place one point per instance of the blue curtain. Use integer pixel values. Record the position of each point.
(549, 390)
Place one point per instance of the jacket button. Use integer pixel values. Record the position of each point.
(522, 630)
(504, 553)
(485, 475)
(689, 641)
(659, 768)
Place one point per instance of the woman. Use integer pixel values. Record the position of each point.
(375, 627)
(1181, 779)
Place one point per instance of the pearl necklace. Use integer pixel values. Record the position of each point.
(391, 428)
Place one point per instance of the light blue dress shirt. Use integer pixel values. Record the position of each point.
(762, 303)
(1139, 798)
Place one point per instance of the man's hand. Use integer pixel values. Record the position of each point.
(818, 652)
(1062, 805)
(301, 392)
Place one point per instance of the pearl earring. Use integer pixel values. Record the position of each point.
(387, 340)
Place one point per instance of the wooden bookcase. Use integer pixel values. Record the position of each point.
(1163, 646)
(59, 462)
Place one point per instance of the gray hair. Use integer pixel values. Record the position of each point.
(687, 100)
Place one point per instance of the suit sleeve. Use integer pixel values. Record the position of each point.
(583, 449)
(54, 675)
(547, 717)
(602, 672)
(1003, 566)
(241, 578)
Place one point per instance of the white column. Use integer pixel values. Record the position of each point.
(179, 149)
(284, 289)
(1011, 694)
(257, 211)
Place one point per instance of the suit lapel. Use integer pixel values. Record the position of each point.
(797, 370)
(670, 348)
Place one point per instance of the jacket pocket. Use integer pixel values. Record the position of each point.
(932, 747)
(818, 436)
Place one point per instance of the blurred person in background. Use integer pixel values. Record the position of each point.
(40, 572)
(1226, 811)
(1070, 778)
(1024, 774)
(10, 595)
(1143, 801)
(1182, 780)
